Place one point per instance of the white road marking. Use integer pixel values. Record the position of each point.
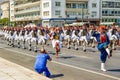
(109, 76)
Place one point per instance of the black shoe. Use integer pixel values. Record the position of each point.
(68, 47)
(93, 46)
(114, 48)
(84, 50)
(35, 51)
(110, 53)
(47, 44)
(29, 49)
(12, 45)
(76, 48)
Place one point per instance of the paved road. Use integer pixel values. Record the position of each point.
(71, 65)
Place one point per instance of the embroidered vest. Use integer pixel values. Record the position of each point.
(34, 34)
(23, 33)
(103, 38)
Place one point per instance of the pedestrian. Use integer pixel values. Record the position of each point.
(103, 42)
(41, 62)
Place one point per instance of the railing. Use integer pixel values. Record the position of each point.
(28, 18)
(27, 11)
(27, 4)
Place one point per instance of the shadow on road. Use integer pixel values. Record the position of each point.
(50, 52)
(56, 75)
(90, 50)
(66, 57)
(114, 70)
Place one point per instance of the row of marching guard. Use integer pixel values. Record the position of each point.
(63, 36)
(22, 36)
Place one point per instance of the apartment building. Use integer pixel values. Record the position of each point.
(68, 11)
(60, 12)
(0, 12)
(4, 9)
(25, 11)
(110, 11)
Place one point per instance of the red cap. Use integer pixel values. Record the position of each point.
(102, 27)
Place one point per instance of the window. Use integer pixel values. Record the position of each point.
(79, 5)
(73, 5)
(94, 5)
(57, 12)
(57, 4)
(94, 13)
(79, 13)
(46, 4)
(115, 12)
(46, 13)
(118, 12)
(68, 5)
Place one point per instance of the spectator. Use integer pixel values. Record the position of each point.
(41, 62)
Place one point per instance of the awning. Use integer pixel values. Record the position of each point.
(79, 23)
(107, 23)
(76, 24)
(30, 25)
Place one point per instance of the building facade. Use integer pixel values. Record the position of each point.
(0, 12)
(23, 12)
(110, 11)
(60, 12)
(53, 12)
(4, 9)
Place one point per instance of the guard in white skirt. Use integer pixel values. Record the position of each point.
(28, 37)
(56, 42)
(22, 37)
(12, 37)
(17, 36)
(84, 34)
(34, 39)
(41, 34)
(75, 39)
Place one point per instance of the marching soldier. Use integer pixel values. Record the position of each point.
(22, 37)
(103, 42)
(41, 38)
(17, 37)
(28, 37)
(67, 37)
(75, 38)
(11, 38)
(92, 38)
(34, 39)
(56, 43)
(84, 34)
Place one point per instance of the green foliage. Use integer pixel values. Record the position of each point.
(4, 21)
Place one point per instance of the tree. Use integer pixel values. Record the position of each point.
(4, 21)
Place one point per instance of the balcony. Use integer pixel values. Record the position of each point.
(27, 4)
(77, 0)
(76, 10)
(28, 11)
(28, 18)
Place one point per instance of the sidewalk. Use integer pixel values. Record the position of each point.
(12, 71)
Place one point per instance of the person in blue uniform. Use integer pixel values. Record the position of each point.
(103, 42)
(41, 62)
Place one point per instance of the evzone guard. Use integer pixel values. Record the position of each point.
(103, 42)
(56, 42)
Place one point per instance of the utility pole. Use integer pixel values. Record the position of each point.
(9, 12)
(82, 14)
